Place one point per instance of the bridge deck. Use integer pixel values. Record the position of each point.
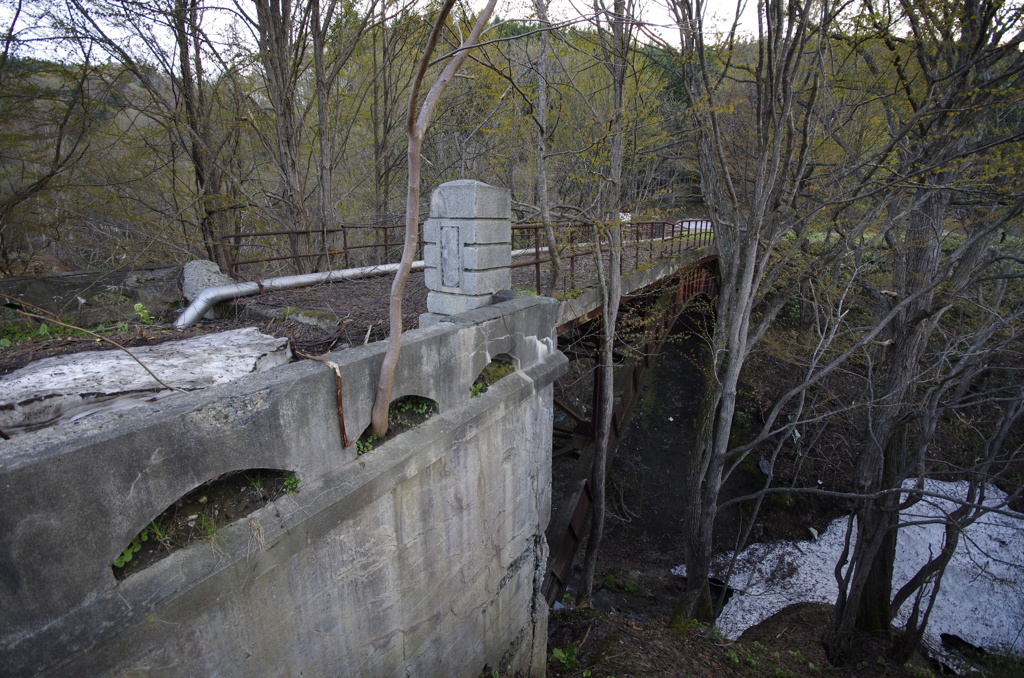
(353, 310)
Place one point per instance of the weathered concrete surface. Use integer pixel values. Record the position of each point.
(69, 387)
(423, 557)
(92, 297)
(467, 248)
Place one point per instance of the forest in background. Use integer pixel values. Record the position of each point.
(164, 126)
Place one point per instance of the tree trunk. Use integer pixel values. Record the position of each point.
(611, 284)
(417, 124)
(541, 7)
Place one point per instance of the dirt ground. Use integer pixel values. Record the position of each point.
(345, 313)
(786, 645)
(348, 313)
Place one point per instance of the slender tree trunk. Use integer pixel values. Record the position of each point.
(282, 51)
(193, 93)
(542, 147)
(325, 137)
(611, 289)
(417, 123)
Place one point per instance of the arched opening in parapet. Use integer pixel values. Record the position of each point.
(500, 367)
(404, 413)
(200, 513)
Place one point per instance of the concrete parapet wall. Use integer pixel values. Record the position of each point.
(423, 557)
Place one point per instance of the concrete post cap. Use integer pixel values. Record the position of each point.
(470, 199)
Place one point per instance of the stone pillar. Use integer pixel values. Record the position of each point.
(467, 247)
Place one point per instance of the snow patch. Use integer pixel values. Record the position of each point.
(981, 596)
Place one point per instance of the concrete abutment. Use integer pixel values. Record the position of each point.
(423, 557)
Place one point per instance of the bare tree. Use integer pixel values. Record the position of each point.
(752, 193)
(902, 179)
(958, 61)
(49, 111)
(136, 35)
(541, 116)
(418, 121)
(293, 48)
(615, 31)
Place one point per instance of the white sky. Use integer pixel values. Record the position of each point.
(718, 14)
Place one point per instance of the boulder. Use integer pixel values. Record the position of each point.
(200, 274)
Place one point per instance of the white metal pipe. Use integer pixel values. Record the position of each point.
(206, 299)
(211, 296)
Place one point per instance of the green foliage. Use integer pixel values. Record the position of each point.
(134, 547)
(617, 583)
(16, 333)
(144, 315)
(416, 404)
(206, 526)
(493, 372)
(365, 445)
(159, 533)
(291, 483)
(400, 410)
(566, 657)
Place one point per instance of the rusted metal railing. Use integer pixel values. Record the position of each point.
(370, 245)
(327, 248)
(576, 240)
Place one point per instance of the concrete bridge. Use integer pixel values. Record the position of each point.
(427, 556)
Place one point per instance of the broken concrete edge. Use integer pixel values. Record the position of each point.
(114, 473)
(65, 388)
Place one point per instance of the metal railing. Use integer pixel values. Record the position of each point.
(368, 245)
(656, 239)
(310, 251)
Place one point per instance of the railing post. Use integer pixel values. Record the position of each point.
(536, 257)
(467, 248)
(225, 249)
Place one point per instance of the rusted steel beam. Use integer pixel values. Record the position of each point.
(565, 533)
